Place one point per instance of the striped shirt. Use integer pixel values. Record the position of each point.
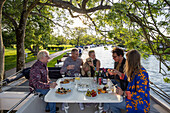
(69, 61)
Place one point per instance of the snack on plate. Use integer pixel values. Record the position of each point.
(82, 87)
(63, 90)
(91, 93)
(66, 81)
(103, 90)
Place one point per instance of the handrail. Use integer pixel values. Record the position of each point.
(15, 73)
(19, 102)
(5, 80)
(160, 94)
(18, 86)
(159, 88)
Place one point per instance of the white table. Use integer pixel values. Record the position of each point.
(79, 97)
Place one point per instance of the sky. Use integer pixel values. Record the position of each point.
(78, 23)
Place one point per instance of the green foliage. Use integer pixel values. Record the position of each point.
(8, 38)
(167, 80)
(137, 26)
(40, 28)
(129, 23)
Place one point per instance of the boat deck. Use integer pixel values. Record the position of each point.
(74, 108)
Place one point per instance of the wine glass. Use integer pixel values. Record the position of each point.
(63, 75)
(69, 73)
(77, 78)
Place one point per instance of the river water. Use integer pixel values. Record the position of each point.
(151, 64)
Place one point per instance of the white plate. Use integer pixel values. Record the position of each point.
(64, 95)
(87, 97)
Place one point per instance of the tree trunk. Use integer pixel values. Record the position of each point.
(2, 49)
(20, 34)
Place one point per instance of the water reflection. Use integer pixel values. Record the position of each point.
(151, 64)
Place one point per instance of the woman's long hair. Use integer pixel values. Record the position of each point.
(132, 64)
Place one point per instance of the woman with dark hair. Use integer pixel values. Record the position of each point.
(137, 95)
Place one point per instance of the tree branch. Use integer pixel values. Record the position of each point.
(72, 14)
(102, 2)
(46, 18)
(33, 5)
(84, 4)
(96, 28)
(167, 2)
(78, 4)
(68, 5)
(155, 22)
(11, 19)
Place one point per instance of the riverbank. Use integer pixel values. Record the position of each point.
(29, 64)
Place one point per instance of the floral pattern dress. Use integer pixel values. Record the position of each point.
(140, 93)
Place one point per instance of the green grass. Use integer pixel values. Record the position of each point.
(54, 61)
(10, 57)
(53, 51)
(68, 46)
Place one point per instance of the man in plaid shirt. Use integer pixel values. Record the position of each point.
(39, 78)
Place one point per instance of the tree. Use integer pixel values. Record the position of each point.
(135, 24)
(26, 6)
(2, 49)
(38, 31)
(120, 18)
(18, 19)
(78, 34)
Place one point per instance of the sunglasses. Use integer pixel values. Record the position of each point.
(114, 56)
(47, 56)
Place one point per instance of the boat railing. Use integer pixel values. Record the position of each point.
(160, 93)
(24, 98)
(11, 78)
(7, 83)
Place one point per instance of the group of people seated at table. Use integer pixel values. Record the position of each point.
(130, 76)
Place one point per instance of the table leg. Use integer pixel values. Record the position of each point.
(100, 108)
(66, 107)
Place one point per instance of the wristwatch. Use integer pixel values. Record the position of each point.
(123, 95)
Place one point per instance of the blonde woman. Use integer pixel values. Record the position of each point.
(86, 69)
(137, 98)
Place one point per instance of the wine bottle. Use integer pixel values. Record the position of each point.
(104, 77)
(97, 74)
(100, 79)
